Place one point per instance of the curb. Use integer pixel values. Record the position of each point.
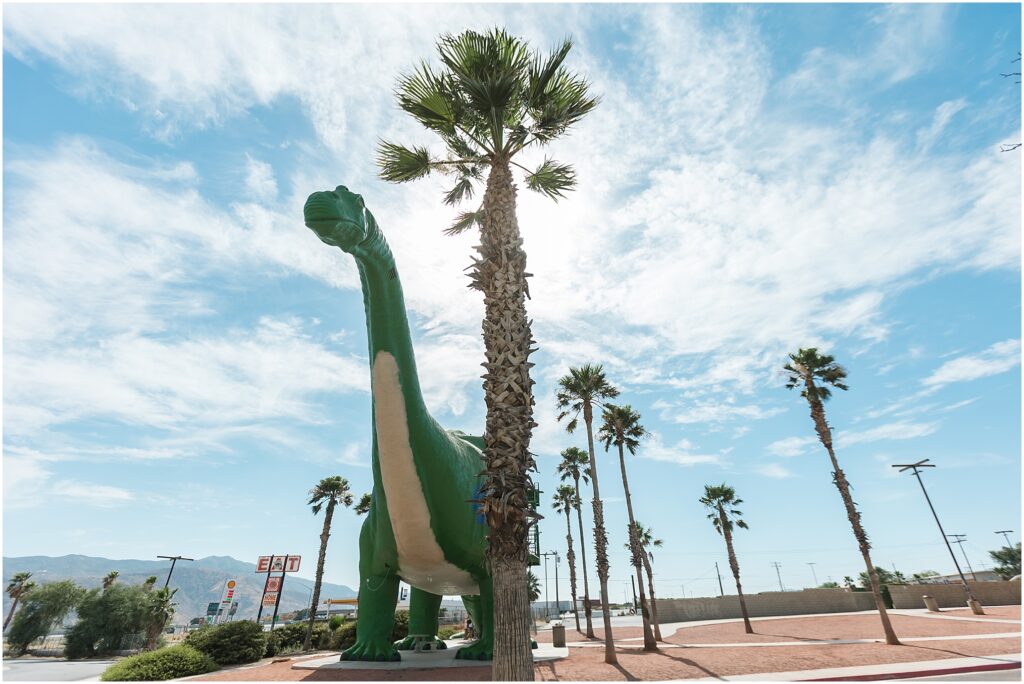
(919, 673)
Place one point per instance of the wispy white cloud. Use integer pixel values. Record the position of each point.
(259, 179)
(683, 453)
(91, 494)
(774, 471)
(898, 430)
(999, 358)
(945, 112)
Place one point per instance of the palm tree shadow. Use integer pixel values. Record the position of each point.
(626, 673)
(691, 663)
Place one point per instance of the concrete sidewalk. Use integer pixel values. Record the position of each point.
(927, 668)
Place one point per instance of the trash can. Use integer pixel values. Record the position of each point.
(931, 604)
(558, 636)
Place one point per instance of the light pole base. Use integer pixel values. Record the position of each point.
(976, 607)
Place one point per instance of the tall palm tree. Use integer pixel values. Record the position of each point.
(578, 392)
(109, 580)
(646, 542)
(575, 465)
(532, 586)
(493, 99)
(813, 372)
(18, 586)
(721, 502)
(363, 507)
(330, 491)
(565, 501)
(621, 426)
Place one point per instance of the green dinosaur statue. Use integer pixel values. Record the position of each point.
(422, 527)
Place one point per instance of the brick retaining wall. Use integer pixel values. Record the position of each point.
(952, 595)
(767, 604)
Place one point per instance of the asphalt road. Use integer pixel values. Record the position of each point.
(28, 669)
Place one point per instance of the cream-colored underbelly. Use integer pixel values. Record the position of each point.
(421, 561)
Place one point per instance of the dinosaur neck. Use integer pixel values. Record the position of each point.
(387, 329)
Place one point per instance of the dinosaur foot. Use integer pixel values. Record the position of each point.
(478, 650)
(409, 644)
(372, 651)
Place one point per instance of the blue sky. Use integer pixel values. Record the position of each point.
(183, 359)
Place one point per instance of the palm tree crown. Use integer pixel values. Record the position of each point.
(645, 537)
(363, 507)
(806, 365)
(492, 99)
(582, 387)
(332, 489)
(621, 427)
(19, 584)
(722, 498)
(565, 499)
(575, 465)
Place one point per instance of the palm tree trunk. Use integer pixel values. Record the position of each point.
(600, 540)
(825, 435)
(14, 607)
(654, 602)
(500, 273)
(634, 545)
(571, 557)
(735, 565)
(583, 556)
(324, 536)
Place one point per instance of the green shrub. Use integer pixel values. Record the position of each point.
(271, 649)
(343, 637)
(445, 633)
(230, 643)
(335, 622)
(165, 663)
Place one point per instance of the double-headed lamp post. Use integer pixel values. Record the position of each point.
(915, 467)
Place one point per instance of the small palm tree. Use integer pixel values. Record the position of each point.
(813, 373)
(363, 507)
(158, 610)
(330, 491)
(575, 465)
(532, 586)
(492, 100)
(565, 500)
(579, 392)
(621, 427)
(721, 502)
(17, 588)
(109, 580)
(647, 542)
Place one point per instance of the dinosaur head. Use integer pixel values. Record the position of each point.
(338, 217)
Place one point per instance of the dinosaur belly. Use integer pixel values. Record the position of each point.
(421, 561)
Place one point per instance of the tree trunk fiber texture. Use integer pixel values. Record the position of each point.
(571, 557)
(650, 644)
(14, 607)
(500, 274)
(600, 540)
(839, 477)
(734, 565)
(325, 534)
(583, 556)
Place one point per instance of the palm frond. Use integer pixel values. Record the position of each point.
(465, 221)
(462, 190)
(399, 164)
(552, 178)
(424, 95)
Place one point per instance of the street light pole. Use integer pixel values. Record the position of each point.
(959, 539)
(814, 574)
(173, 559)
(547, 603)
(915, 467)
(558, 602)
(1005, 534)
(779, 575)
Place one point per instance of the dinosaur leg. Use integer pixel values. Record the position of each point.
(482, 648)
(378, 596)
(423, 607)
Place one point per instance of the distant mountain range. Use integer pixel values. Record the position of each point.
(198, 582)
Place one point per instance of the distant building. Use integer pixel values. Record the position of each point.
(981, 575)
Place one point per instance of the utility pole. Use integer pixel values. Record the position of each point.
(960, 539)
(721, 591)
(779, 575)
(814, 574)
(547, 603)
(1005, 533)
(558, 603)
(173, 559)
(915, 467)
